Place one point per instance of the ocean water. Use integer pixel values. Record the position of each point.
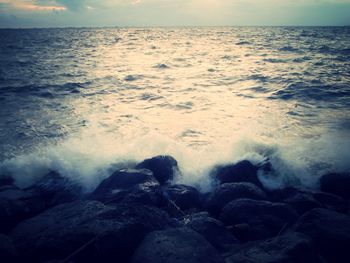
(87, 101)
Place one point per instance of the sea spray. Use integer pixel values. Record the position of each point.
(89, 159)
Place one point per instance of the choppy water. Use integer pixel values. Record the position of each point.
(82, 100)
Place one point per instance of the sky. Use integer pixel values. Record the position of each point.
(86, 13)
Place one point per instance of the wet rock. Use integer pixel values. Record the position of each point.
(262, 219)
(336, 183)
(330, 232)
(12, 192)
(6, 180)
(185, 197)
(212, 230)
(243, 171)
(230, 191)
(115, 186)
(7, 249)
(17, 205)
(87, 231)
(242, 210)
(302, 202)
(143, 194)
(331, 201)
(289, 248)
(164, 168)
(56, 189)
(179, 245)
(278, 195)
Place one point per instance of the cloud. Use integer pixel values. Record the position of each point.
(177, 12)
(74, 5)
(31, 6)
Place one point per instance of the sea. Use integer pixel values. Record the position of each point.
(87, 101)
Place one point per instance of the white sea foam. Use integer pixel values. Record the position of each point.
(88, 159)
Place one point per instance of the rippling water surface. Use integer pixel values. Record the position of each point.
(84, 100)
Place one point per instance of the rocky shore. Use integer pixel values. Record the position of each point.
(140, 215)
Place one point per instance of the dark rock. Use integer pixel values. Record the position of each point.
(227, 192)
(143, 194)
(242, 210)
(113, 187)
(331, 201)
(302, 202)
(138, 195)
(6, 180)
(278, 195)
(17, 205)
(179, 245)
(12, 192)
(56, 189)
(336, 183)
(87, 231)
(330, 232)
(185, 197)
(262, 219)
(243, 171)
(212, 230)
(287, 248)
(164, 168)
(8, 187)
(7, 250)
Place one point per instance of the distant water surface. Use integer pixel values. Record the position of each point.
(84, 100)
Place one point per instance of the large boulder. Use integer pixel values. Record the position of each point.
(163, 167)
(330, 232)
(287, 248)
(331, 201)
(301, 200)
(87, 231)
(243, 171)
(212, 230)
(7, 250)
(336, 183)
(185, 197)
(56, 189)
(17, 205)
(227, 192)
(115, 186)
(257, 219)
(6, 180)
(143, 194)
(178, 245)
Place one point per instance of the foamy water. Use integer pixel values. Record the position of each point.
(86, 101)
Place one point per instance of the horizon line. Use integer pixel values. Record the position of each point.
(169, 26)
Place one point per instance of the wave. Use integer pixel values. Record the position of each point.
(90, 157)
(288, 49)
(275, 60)
(161, 66)
(310, 91)
(45, 90)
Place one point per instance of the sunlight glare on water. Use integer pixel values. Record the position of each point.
(203, 95)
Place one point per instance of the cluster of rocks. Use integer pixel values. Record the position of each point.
(139, 215)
